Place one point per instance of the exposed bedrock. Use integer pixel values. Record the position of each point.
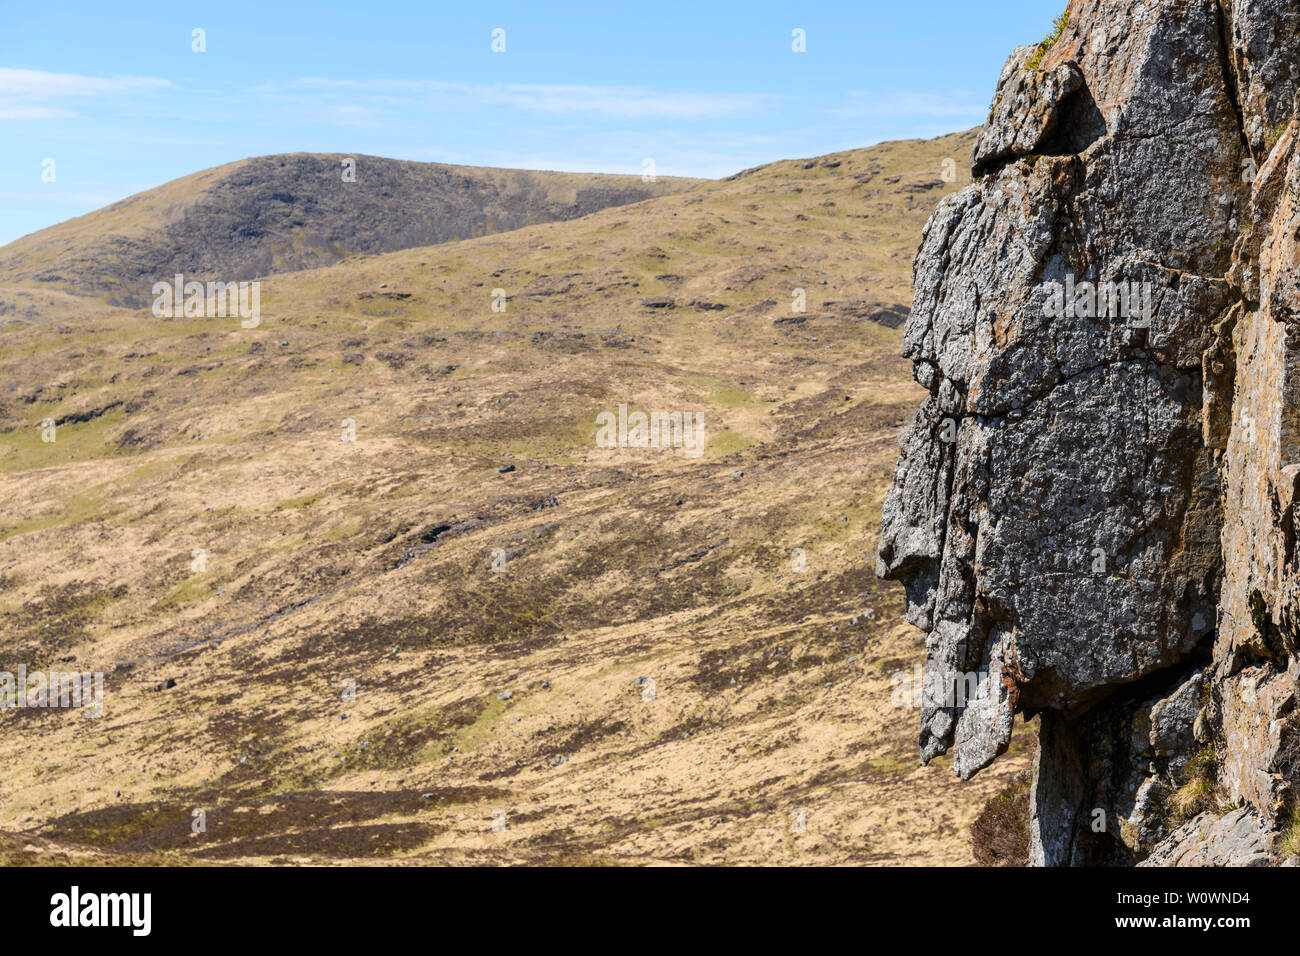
(1093, 508)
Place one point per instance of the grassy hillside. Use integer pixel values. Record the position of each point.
(296, 211)
(681, 657)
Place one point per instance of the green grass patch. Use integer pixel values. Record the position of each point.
(189, 591)
(302, 501)
(728, 443)
(23, 449)
(84, 508)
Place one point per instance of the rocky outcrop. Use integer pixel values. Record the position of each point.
(1093, 508)
(1236, 838)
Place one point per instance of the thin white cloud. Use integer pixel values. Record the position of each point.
(40, 85)
(863, 105)
(24, 93)
(626, 102)
(699, 152)
(8, 112)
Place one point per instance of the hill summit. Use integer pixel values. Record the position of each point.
(300, 211)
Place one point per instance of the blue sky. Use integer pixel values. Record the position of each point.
(115, 95)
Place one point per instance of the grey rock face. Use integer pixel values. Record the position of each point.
(1026, 110)
(1238, 838)
(1106, 782)
(1090, 472)
(1172, 721)
(1261, 738)
(1066, 519)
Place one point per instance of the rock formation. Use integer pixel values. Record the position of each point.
(1094, 507)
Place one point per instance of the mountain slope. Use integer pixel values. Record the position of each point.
(280, 213)
(633, 655)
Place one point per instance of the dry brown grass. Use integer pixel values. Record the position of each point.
(1000, 834)
(330, 561)
(1201, 790)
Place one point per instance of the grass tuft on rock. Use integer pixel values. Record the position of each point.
(1058, 27)
(1201, 792)
(1288, 844)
